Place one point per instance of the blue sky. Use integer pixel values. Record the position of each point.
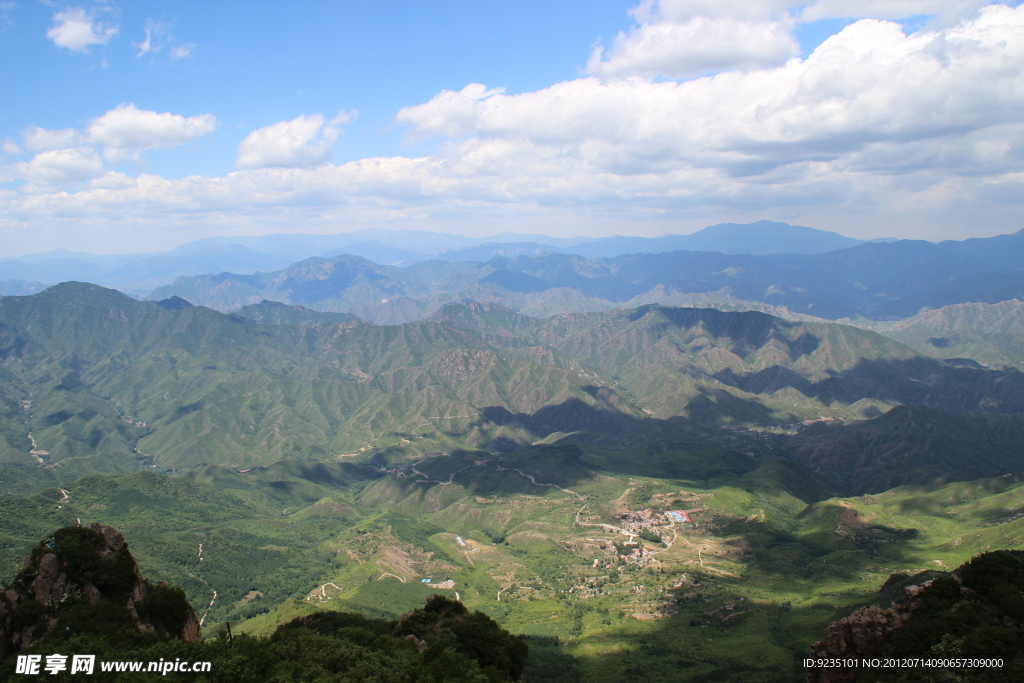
(256, 63)
(166, 122)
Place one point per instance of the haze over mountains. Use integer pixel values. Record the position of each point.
(138, 274)
(880, 281)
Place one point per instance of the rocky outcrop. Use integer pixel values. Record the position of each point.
(78, 565)
(863, 634)
(866, 633)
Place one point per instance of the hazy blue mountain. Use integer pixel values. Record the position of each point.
(375, 251)
(491, 250)
(762, 238)
(48, 256)
(875, 280)
(141, 272)
(20, 287)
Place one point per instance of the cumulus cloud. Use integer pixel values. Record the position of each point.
(679, 38)
(870, 83)
(452, 114)
(69, 156)
(126, 130)
(77, 30)
(303, 142)
(685, 38)
(37, 138)
(60, 166)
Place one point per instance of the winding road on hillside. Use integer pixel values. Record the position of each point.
(537, 483)
(213, 593)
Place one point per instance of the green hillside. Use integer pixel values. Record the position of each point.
(565, 542)
(747, 366)
(90, 371)
(92, 381)
(992, 334)
(912, 445)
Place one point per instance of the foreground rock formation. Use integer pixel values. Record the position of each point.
(69, 575)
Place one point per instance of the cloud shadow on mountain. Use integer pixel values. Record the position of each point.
(915, 381)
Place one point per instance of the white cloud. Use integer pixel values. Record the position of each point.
(112, 180)
(76, 30)
(685, 38)
(61, 166)
(37, 138)
(156, 37)
(874, 127)
(69, 156)
(181, 51)
(696, 46)
(449, 113)
(127, 129)
(869, 83)
(303, 142)
(157, 34)
(9, 146)
(680, 38)
(949, 10)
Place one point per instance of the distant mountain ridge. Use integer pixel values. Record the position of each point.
(140, 273)
(879, 281)
(991, 333)
(762, 238)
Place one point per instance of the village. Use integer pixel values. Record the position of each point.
(660, 530)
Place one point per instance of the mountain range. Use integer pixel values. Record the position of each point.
(94, 381)
(991, 334)
(879, 281)
(140, 273)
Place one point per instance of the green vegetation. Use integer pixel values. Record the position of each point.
(959, 626)
(911, 445)
(283, 465)
(992, 334)
(93, 382)
(762, 570)
(441, 642)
